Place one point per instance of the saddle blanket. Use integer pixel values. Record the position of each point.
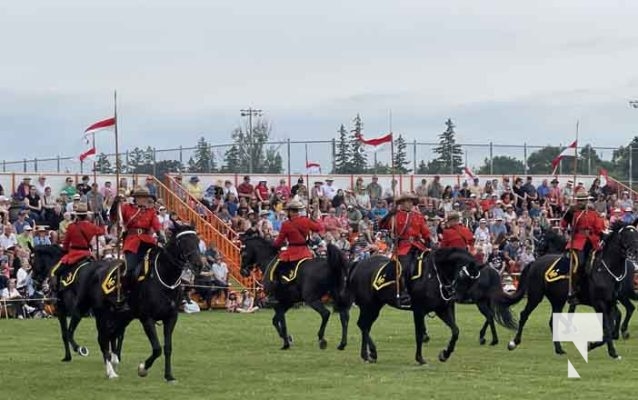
(559, 268)
(109, 279)
(69, 278)
(287, 277)
(385, 275)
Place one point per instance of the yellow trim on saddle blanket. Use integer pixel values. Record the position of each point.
(419, 265)
(147, 265)
(293, 273)
(55, 269)
(70, 277)
(551, 275)
(379, 281)
(109, 283)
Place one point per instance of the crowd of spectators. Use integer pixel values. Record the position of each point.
(39, 214)
(507, 218)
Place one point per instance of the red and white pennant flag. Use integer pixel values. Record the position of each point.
(313, 167)
(375, 141)
(569, 151)
(92, 129)
(468, 173)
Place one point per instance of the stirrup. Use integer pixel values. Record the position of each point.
(404, 301)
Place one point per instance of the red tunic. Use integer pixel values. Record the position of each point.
(587, 225)
(295, 232)
(457, 236)
(140, 224)
(411, 229)
(77, 241)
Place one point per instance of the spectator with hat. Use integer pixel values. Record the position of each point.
(25, 239)
(628, 217)
(22, 222)
(23, 189)
(41, 236)
(76, 199)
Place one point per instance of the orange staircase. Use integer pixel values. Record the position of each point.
(229, 249)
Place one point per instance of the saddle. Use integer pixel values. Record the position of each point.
(385, 275)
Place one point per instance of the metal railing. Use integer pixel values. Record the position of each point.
(230, 250)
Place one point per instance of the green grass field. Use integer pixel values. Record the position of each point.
(218, 355)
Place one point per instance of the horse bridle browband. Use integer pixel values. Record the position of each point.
(185, 259)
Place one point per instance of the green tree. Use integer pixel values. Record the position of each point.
(422, 168)
(540, 161)
(449, 154)
(620, 161)
(134, 160)
(400, 156)
(231, 160)
(343, 154)
(165, 166)
(359, 161)
(251, 145)
(502, 165)
(203, 159)
(273, 163)
(103, 165)
(590, 162)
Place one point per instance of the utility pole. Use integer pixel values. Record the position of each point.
(250, 112)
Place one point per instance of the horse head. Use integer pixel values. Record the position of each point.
(623, 237)
(550, 242)
(43, 259)
(255, 251)
(184, 246)
(458, 270)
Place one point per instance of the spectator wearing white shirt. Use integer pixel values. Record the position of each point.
(482, 232)
(8, 239)
(70, 207)
(229, 189)
(41, 185)
(329, 190)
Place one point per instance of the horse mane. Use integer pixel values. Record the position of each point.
(449, 252)
(50, 250)
(617, 226)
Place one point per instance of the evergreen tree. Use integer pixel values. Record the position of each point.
(203, 159)
(273, 163)
(447, 151)
(343, 154)
(135, 159)
(359, 161)
(400, 156)
(422, 168)
(103, 165)
(231, 160)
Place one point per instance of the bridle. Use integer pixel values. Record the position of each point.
(629, 258)
(450, 288)
(181, 259)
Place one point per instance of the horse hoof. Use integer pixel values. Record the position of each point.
(290, 340)
(625, 335)
(141, 371)
(443, 356)
(342, 346)
(371, 360)
(616, 337)
(66, 359)
(617, 358)
(426, 339)
(560, 352)
(482, 341)
(83, 351)
(285, 346)
(113, 376)
(420, 360)
(493, 342)
(323, 344)
(511, 345)
(171, 381)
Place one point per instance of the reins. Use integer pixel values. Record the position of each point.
(172, 261)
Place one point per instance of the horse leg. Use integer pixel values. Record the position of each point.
(426, 337)
(630, 308)
(169, 326)
(73, 325)
(617, 318)
(367, 316)
(533, 300)
(279, 320)
(344, 317)
(489, 321)
(608, 329)
(557, 307)
(64, 330)
(318, 306)
(103, 337)
(447, 316)
(419, 330)
(151, 334)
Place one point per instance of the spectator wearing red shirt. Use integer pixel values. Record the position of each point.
(261, 191)
(245, 189)
(283, 189)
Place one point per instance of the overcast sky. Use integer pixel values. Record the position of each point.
(505, 71)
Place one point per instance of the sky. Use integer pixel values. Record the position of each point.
(506, 72)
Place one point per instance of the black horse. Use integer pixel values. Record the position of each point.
(485, 292)
(599, 289)
(315, 279)
(156, 296)
(433, 286)
(45, 258)
(550, 242)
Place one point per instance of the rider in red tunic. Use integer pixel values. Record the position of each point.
(77, 242)
(140, 223)
(457, 235)
(587, 228)
(293, 235)
(412, 235)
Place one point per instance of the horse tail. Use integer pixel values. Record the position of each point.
(339, 265)
(503, 315)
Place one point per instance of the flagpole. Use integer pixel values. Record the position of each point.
(94, 157)
(573, 228)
